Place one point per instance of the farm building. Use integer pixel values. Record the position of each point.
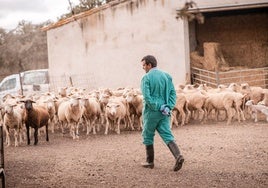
(103, 47)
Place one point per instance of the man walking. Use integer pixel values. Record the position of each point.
(159, 98)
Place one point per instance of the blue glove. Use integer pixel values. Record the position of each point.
(165, 110)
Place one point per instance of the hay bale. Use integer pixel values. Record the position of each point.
(213, 57)
(212, 60)
(196, 60)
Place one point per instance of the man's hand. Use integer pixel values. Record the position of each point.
(165, 110)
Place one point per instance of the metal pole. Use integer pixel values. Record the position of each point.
(21, 87)
(2, 171)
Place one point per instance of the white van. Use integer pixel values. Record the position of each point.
(28, 82)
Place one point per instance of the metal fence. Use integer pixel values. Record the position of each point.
(254, 77)
(81, 81)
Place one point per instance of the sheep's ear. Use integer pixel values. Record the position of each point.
(32, 101)
(22, 101)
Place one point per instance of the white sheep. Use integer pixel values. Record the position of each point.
(13, 119)
(196, 101)
(70, 112)
(255, 108)
(224, 101)
(91, 112)
(115, 111)
(134, 99)
(180, 107)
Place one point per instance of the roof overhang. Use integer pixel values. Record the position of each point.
(228, 7)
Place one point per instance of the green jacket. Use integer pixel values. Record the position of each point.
(157, 89)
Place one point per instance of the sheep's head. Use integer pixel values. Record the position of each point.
(28, 104)
(234, 87)
(9, 109)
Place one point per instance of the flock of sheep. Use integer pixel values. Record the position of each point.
(73, 110)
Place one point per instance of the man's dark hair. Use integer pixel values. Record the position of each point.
(149, 59)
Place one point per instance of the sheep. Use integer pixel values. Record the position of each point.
(71, 112)
(91, 113)
(36, 117)
(115, 111)
(255, 93)
(265, 98)
(196, 101)
(255, 108)
(221, 101)
(49, 102)
(134, 99)
(181, 106)
(104, 95)
(13, 119)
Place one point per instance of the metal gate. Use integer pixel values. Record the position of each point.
(254, 77)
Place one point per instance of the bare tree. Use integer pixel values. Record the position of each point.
(23, 48)
(2, 35)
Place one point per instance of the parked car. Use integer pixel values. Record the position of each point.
(27, 82)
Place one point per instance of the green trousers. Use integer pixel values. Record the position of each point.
(155, 121)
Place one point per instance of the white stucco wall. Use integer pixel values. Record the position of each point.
(107, 47)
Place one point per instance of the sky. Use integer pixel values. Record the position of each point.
(34, 11)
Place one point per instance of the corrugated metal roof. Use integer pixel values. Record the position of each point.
(83, 14)
(228, 7)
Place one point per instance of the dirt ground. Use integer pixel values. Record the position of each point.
(216, 155)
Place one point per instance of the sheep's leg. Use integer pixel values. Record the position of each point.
(7, 138)
(140, 123)
(209, 113)
(200, 114)
(88, 125)
(16, 138)
(183, 117)
(217, 112)
(28, 134)
(47, 139)
(20, 136)
(255, 117)
(118, 126)
(72, 130)
(242, 114)
(93, 124)
(173, 119)
(62, 127)
(52, 125)
(76, 125)
(35, 136)
(129, 122)
(106, 127)
(188, 116)
(229, 116)
(238, 115)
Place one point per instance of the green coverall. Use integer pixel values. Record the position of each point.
(157, 89)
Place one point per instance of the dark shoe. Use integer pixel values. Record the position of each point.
(148, 165)
(177, 155)
(178, 164)
(149, 157)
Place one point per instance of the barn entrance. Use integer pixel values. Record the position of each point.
(231, 39)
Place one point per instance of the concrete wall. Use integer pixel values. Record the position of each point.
(105, 48)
